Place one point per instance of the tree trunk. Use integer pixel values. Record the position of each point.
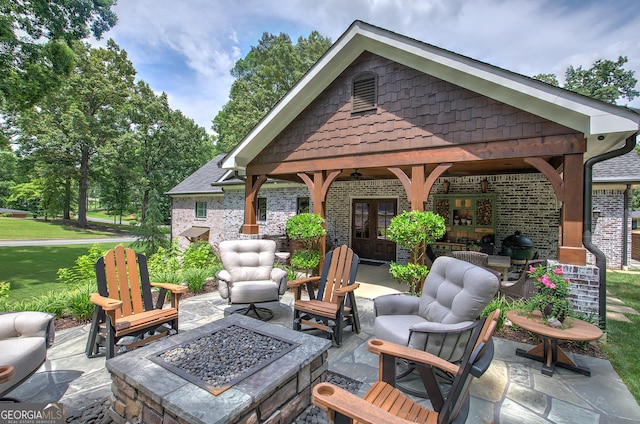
(67, 200)
(145, 201)
(83, 189)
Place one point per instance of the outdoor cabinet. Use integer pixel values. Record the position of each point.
(468, 218)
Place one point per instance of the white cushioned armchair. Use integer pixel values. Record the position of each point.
(441, 321)
(24, 339)
(249, 276)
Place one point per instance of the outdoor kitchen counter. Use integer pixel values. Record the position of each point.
(147, 392)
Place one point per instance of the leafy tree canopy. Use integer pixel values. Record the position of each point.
(263, 76)
(606, 80)
(35, 38)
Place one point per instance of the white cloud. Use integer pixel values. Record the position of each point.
(187, 48)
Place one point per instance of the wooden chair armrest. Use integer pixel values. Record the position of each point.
(105, 303)
(301, 281)
(6, 373)
(174, 288)
(380, 347)
(347, 289)
(333, 398)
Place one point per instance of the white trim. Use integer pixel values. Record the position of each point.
(581, 113)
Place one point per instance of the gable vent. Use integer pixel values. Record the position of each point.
(364, 93)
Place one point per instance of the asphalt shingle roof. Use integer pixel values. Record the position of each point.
(200, 181)
(625, 168)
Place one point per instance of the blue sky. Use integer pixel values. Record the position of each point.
(186, 48)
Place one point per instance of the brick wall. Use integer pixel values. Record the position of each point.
(607, 229)
(584, 290)
(183, 214)
(525, 203)
(635, 245)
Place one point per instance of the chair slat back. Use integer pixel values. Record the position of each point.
(339, 272)
(123, 279)
(474, 353)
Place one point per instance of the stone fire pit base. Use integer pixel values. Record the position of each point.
(148, 393)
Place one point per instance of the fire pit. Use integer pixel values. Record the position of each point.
(219, 360)
(274, 385)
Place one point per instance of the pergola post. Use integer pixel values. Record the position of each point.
(570, 249)
(251, 189)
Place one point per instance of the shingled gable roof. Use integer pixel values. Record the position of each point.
(200, 182)
(620, 170)
(596, 119)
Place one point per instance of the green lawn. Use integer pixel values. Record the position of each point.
(32, 270)
(29, 229)
(623, 339)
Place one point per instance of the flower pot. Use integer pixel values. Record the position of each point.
(547, 312)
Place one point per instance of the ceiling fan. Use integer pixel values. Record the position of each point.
(356, 176)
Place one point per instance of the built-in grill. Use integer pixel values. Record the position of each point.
(518, 247)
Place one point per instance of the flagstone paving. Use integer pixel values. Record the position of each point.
(512, 391)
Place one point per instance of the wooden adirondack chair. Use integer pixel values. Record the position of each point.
(124, 304)
(333, 307)
(384, 403)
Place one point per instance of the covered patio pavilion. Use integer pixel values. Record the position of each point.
(383, 106)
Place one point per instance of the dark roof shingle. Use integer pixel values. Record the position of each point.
(200, 181)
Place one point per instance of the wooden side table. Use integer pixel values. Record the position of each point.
(548, 351)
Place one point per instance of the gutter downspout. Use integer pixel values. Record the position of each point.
(601, 259)
(625, 232)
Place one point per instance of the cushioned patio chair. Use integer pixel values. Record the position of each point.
(384, 403)
(124, 305)
(24, 339)
(249, 276)
(440, 322)
(333, 307)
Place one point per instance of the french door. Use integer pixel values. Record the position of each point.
(370, 220)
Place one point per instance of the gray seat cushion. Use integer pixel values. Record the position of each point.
(26, 354)
(454, 295)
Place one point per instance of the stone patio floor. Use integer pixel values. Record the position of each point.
(512, 391)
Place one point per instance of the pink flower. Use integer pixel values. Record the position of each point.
(558, 271)
(531, 268)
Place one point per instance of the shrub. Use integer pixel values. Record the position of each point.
(83, 272)
(5, 286)
(195, 278)
(165, 259)
(197, 255)
(77, 303)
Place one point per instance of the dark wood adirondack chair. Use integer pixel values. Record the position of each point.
(124, 304)
(384, 403)
(333, 307)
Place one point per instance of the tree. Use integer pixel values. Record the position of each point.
(72, 124)
(263, 76)
(167, 146)
(606, 80)
(149, 234)
(35, 38)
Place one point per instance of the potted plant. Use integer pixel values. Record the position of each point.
(552, 299)
(414, 230)
(308, 229)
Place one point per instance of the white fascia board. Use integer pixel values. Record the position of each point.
(299, 97)
(555, 104)
(572, 110)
